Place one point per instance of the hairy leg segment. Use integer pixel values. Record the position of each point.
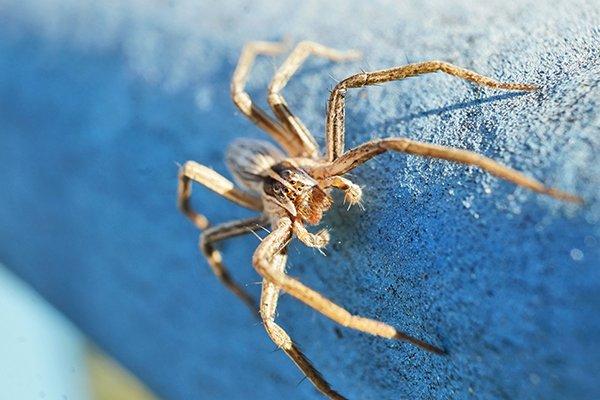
(215, 234)
(268, 312)
(361, 154)
(277, 102)
(190, 172)
(274, 244)
(336, 104)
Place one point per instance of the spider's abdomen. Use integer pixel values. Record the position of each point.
(249, 160)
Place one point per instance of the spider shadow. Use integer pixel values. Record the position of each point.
(458, 106)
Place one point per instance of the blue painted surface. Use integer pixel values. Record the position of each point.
(98, 102)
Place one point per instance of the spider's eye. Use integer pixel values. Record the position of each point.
(273, 187)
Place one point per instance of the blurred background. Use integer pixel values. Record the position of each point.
(101, 279)
(45, 357)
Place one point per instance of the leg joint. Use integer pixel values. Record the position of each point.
(277, 334)
(242, 100)
(274, 98)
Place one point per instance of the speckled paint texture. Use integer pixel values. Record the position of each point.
(99, 101)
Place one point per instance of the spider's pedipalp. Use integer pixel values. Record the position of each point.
(352, 192)
(318, 240)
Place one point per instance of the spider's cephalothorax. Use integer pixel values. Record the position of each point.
(292, 189)
(282, 184)
(284, 187)
(289, 187)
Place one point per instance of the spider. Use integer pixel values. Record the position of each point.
(292, 188)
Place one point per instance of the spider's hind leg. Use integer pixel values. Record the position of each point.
(244, 103)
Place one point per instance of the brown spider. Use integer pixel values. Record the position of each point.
(293, 189)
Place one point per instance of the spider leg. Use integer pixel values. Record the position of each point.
(366, 151)
(244, 103)
(192, 171)
(277, 102)
(268, 308)
(212, 235)
(262, 260)
(336, 104)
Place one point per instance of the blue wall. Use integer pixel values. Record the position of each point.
(99, 101)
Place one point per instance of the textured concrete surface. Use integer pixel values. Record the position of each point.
(100, 100)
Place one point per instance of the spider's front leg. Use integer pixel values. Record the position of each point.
(339, 162)
(366, 151)
(334, 136)
(275, 243)
(268, 311)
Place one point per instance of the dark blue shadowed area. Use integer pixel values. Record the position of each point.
(99, 102)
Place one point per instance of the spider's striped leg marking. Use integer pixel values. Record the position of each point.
(277, 102)
(262, 260)
(212, 235)
(366, 151)
(268, 310)
(192, 171)
(242, 99)
(336, 104)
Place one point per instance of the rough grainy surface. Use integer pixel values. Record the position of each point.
(100, 100)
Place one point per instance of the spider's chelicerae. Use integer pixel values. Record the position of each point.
(291, 189)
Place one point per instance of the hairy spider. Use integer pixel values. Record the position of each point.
(292, 189)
